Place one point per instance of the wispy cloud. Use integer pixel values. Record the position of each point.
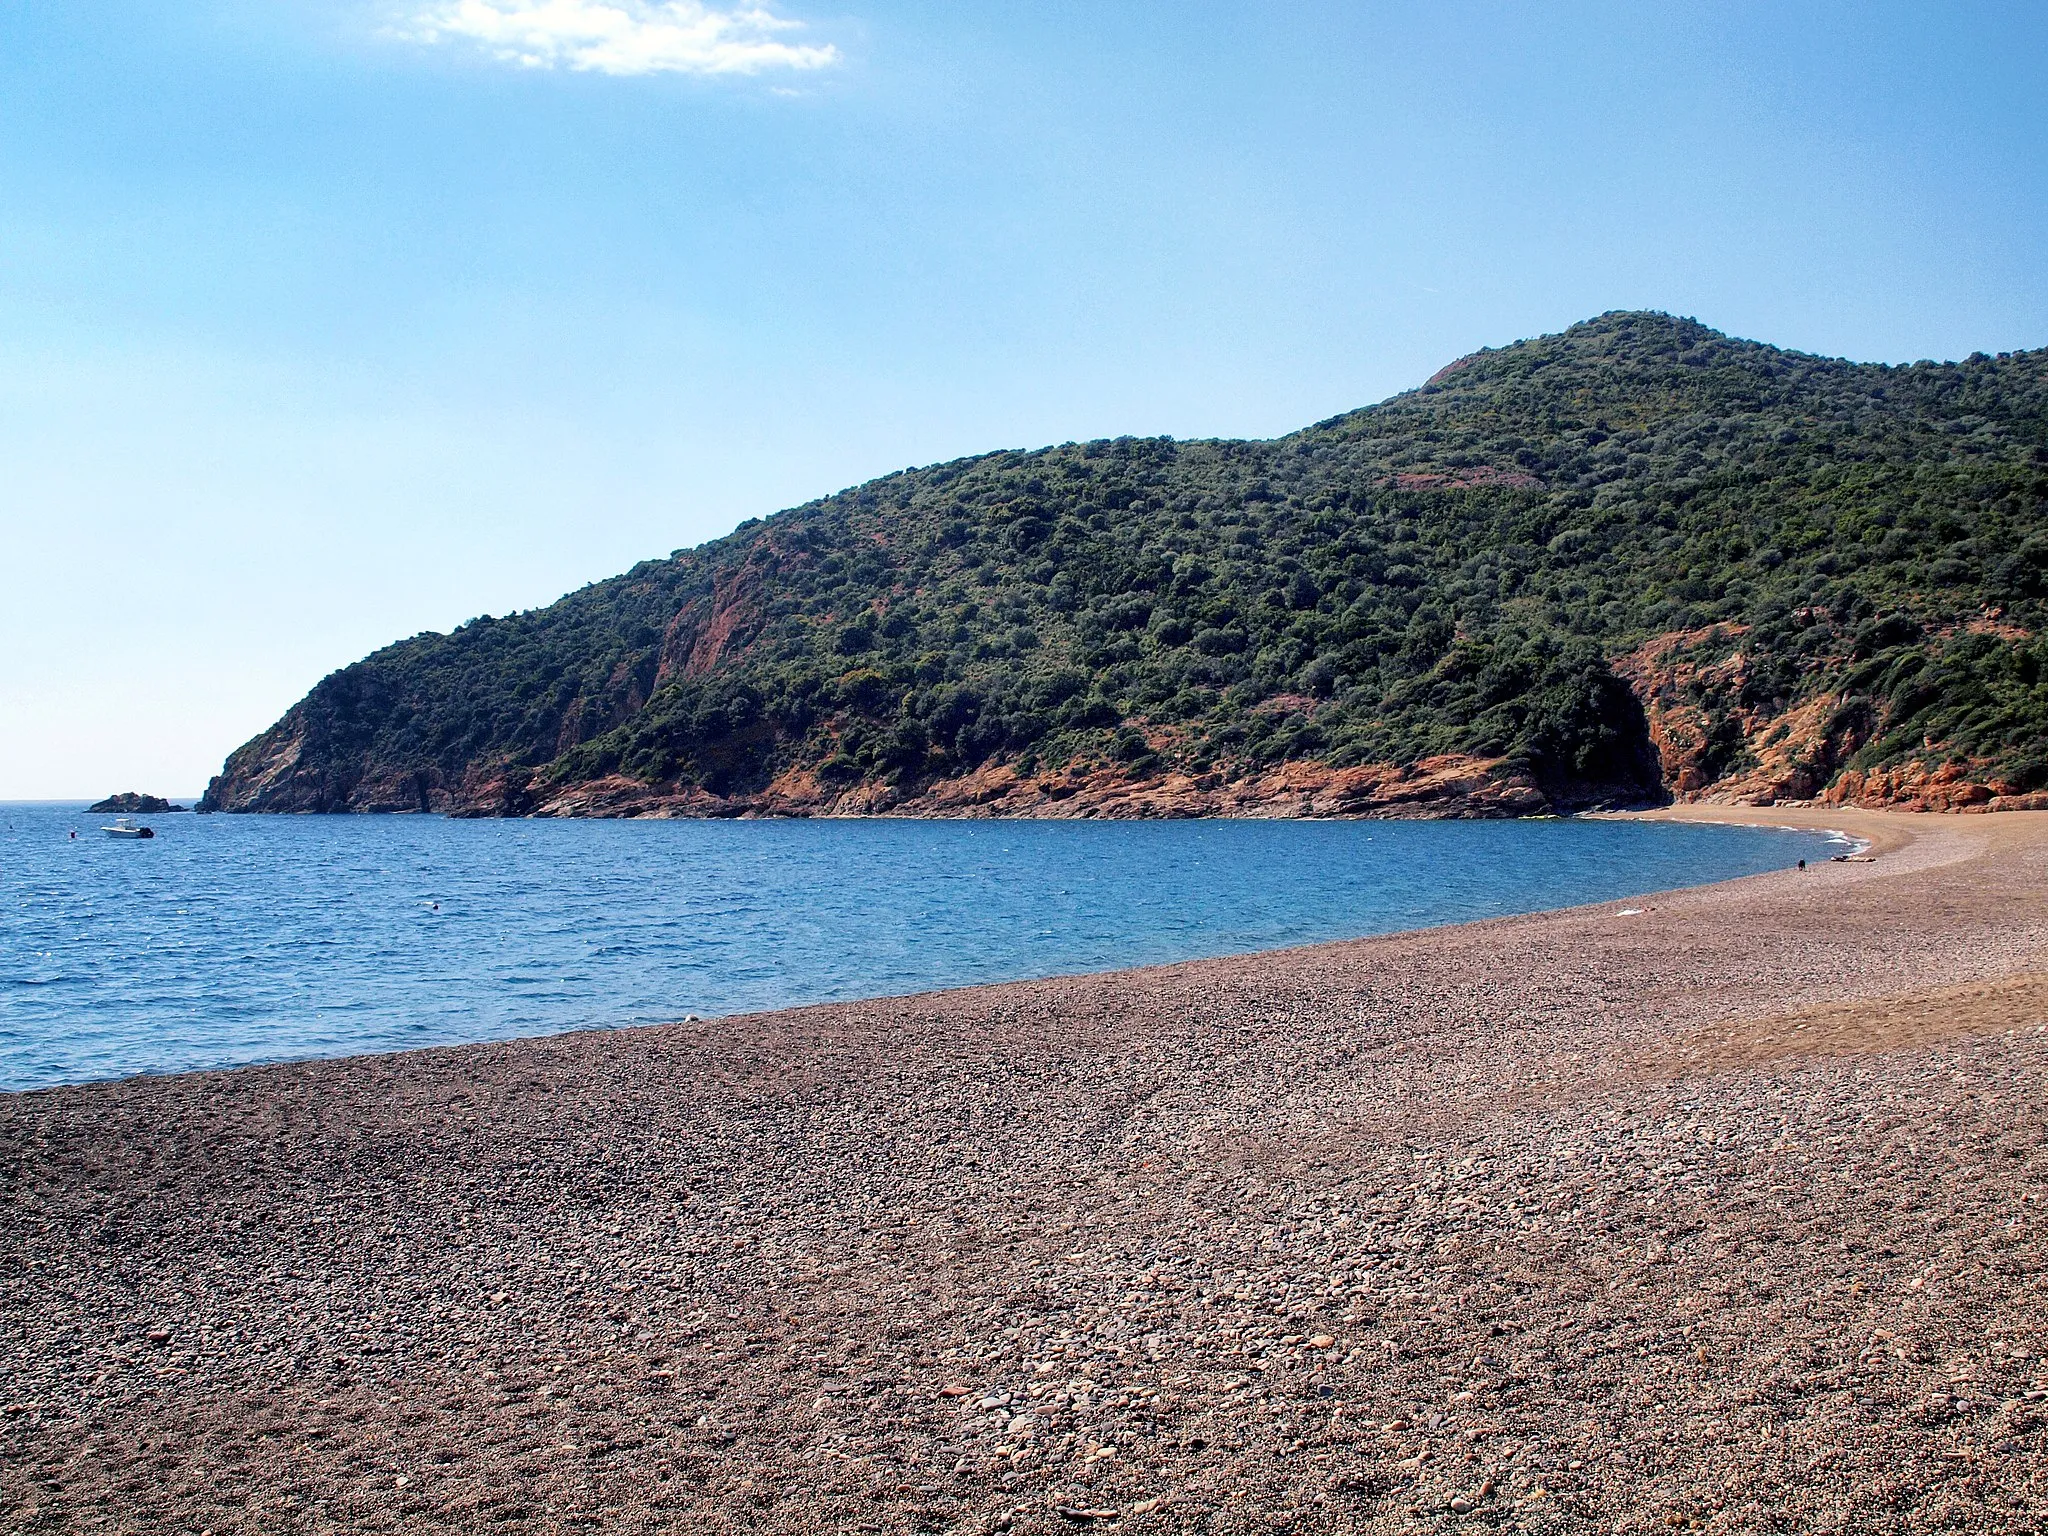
(623, 37)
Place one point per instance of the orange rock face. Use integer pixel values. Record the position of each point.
(1720, 735)
(1917, 787)
(1691, 684)
(1438, 787)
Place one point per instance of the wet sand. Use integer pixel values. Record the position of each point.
(1722, 1215)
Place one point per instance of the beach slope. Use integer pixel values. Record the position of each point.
(1713, 1210)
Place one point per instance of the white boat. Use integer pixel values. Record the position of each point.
(120, 828)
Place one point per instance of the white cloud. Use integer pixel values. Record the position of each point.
(623, 37)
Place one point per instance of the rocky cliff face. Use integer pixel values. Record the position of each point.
(1703, 755)
(276, 773)
(1441, 788)
(1724, 734)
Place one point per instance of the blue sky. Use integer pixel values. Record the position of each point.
(325, 323)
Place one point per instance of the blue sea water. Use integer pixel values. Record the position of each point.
(234, 939)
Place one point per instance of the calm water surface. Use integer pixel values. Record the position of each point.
(233, 939)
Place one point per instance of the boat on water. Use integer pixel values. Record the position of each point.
(121, 828)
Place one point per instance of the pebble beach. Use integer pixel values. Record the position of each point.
(1713, 1210)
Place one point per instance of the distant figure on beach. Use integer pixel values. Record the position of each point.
(1802, 863)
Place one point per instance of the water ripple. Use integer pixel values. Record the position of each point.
(227, 940)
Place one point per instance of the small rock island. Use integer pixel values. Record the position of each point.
(129, 803)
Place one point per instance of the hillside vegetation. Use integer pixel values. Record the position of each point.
(1633, 559)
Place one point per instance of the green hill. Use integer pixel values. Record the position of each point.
(1634, 559)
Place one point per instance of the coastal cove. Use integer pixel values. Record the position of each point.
(227, 941)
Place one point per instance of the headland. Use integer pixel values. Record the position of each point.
(1605, 568)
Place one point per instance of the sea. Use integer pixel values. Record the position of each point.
(229, 940)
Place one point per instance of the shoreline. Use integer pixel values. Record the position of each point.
(1860, 843)
(1882, 831)
(1719, 1212)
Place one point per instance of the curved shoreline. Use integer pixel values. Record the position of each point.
(1721, 1212)
(898, 909)
(1884, 831)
